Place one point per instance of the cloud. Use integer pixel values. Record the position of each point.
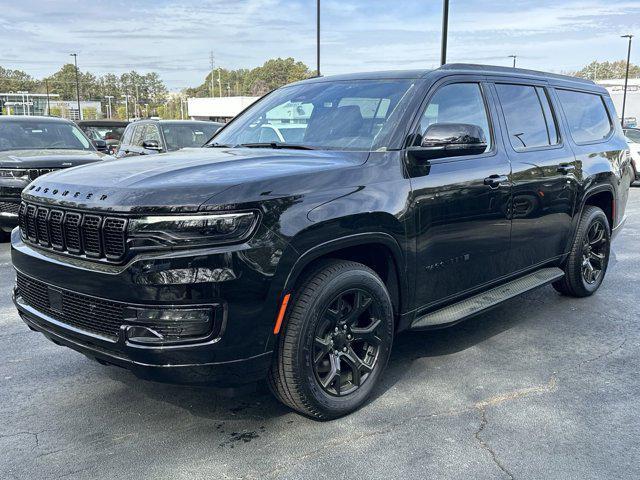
(175, 37)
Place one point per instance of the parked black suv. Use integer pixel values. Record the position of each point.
(33, 146)
(147, 137)
(414, 200)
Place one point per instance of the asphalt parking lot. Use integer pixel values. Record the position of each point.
(543, 387)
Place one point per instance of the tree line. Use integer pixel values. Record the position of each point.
(148, 95)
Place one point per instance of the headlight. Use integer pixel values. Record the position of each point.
(14, 173)
(191, 230)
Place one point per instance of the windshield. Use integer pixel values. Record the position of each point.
(104, 133)
(339, 115)
(633, 136)
(188, 135)
(22, 135)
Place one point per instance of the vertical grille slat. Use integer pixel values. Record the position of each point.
(94, 236)
(42, 226)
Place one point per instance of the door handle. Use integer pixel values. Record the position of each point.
(566, 168)
(494, 181)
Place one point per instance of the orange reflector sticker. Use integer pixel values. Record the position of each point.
(283, 309)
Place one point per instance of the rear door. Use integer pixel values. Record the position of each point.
(463, 231)
(544, 187)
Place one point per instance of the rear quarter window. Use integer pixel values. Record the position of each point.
(586, 115)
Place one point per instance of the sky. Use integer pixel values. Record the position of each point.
(175, 37)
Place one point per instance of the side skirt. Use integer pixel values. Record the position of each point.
(487, 299)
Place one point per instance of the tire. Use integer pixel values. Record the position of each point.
(306, 373)
(4, 236)
(579, 280)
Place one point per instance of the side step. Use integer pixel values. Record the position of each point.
(489, 299)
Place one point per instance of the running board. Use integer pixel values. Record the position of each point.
(489, 299)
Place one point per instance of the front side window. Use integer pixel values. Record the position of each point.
(457, 103)
(22, 135)
(334, 115)
(586, 114)
(152, 133)
(528, 115)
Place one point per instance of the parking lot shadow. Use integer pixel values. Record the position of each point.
(259, 404)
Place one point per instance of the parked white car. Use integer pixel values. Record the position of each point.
(633, 139)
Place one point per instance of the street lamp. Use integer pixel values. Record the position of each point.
(75, 61)
(626, 76)
(318, 37)
(445, 28)
(514, 59)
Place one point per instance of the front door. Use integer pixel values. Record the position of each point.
(463, 229)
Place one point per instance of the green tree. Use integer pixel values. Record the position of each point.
(15, 80)
(607, 70)
(63, 82)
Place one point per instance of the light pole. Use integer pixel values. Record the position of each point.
(75, 61)
(445, 29)
(126, 104)
(109, 112)
(514, 59)
(626, 76)
(318, 38)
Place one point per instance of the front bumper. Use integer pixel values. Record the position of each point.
(151, 365)
(240, 353)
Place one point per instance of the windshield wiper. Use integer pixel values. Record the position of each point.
(276, 145)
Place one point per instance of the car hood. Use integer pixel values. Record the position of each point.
(47, 158)
(181, 181)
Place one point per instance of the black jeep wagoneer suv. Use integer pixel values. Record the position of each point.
(398, 200)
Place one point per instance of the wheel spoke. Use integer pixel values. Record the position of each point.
(596, 234)
(357, 366)
(324, 347)
(361, 304)
(598, 257)
(334, 373)
(368, 334)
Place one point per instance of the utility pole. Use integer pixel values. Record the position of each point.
(219, 83)
(46, 84)
(211, 64)
(126, 103)
(514, 59)
(318, 38)
(135, 106)
(626, 76)
(75, 61)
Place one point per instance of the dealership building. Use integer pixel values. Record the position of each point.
(615, 88)
(217, 109)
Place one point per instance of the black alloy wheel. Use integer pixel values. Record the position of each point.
(335, 340)
(347, 342)
(594, 252)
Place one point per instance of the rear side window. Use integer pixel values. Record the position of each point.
(529, 118)
(586, 114)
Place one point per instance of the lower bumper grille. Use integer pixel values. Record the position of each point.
(98, 316)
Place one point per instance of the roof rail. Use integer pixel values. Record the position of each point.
(471, 67)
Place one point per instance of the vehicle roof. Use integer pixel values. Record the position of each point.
(106, 123)
(177, 122)
(463, 68)
(32, 118)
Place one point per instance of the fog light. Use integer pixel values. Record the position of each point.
(167, 325)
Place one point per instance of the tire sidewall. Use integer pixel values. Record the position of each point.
(345, 280)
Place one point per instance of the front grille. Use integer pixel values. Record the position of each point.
(84, 312)
(10, 207)
(79, 234)
(37, 172)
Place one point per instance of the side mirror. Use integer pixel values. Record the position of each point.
(151, 145)
(101, 146)
(443, 140)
